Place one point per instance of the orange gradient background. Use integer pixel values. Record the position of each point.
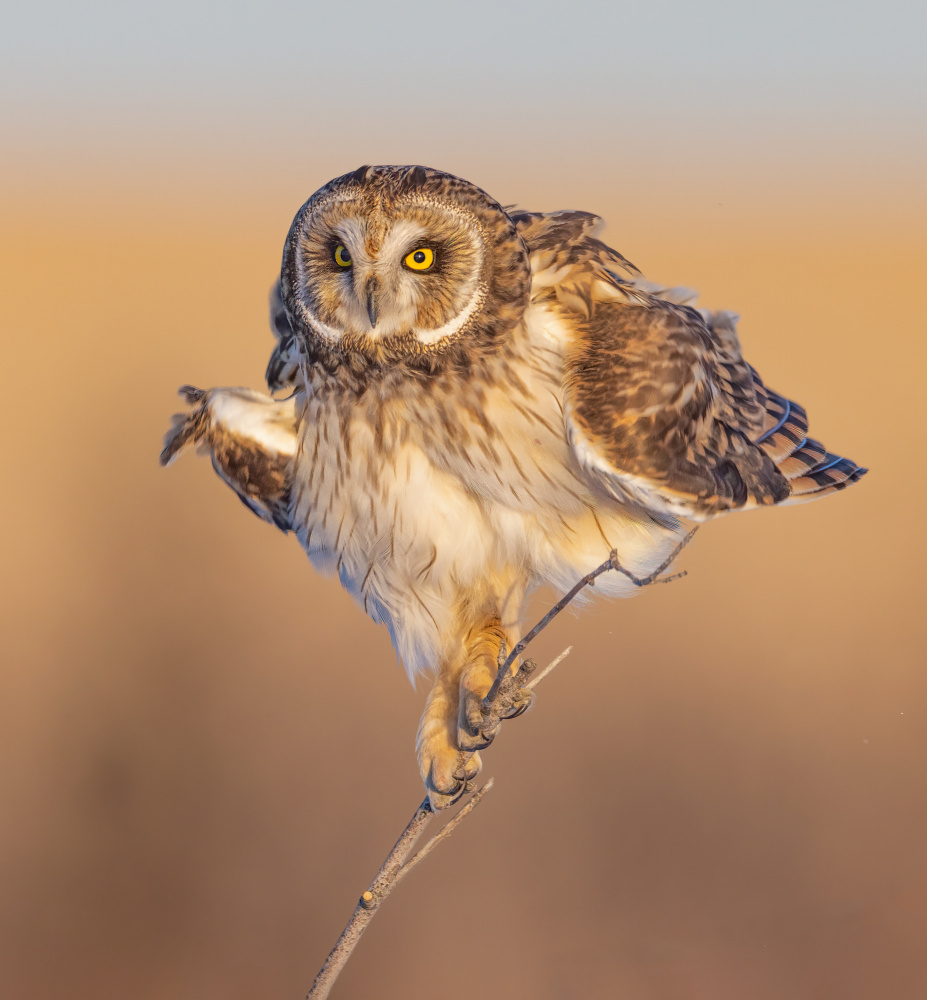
(207, 749)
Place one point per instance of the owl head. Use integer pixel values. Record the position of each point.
(394, 263)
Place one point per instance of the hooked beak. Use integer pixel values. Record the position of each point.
(371, 298)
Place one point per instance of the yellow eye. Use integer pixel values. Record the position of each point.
(342, 257)
(420, 260)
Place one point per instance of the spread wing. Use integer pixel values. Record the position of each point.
(660, 404)
(252, 440)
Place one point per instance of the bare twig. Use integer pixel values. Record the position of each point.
(505, 661)
(445, 831)
(533, 683)
(397, 866)
(367, 905)
(392, 871)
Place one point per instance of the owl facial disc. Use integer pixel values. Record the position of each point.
(402, 260)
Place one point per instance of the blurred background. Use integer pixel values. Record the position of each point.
(206, 750)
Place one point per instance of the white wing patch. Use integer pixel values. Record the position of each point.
(247, 414)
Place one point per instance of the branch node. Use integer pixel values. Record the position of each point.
(503, 653)
(369, 901)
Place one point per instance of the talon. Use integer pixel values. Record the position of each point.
(471, 734)
(441, 800)
(470, 744)
(490, 732)
(469, 768)
(520, 704)
(448, 773)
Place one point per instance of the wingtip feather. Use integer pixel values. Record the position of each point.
(184, 428)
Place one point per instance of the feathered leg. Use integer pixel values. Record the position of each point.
(452, 728)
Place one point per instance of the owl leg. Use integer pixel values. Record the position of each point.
(440, 761)
(453, 727)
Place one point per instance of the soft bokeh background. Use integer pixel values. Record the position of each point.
(207, 749)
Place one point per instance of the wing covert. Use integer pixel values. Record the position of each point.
(663, 408)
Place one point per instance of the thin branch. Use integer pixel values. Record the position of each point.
(395, 868)
(505, 661)
(392, 871)
(367, 905)
(445, 831)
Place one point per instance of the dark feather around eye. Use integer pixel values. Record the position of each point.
(332, 253)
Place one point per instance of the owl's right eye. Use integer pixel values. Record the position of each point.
(342, 257)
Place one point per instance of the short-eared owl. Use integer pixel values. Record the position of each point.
(483, 400)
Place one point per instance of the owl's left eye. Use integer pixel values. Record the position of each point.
(421, 259)
(342, 257)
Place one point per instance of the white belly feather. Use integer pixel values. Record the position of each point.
(412, 525)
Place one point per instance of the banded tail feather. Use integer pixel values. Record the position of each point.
(833, 473)
(810, 469)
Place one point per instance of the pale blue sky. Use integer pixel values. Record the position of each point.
(78, 77)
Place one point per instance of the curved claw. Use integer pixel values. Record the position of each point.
(520, 704)
(448, 774)
(441, 800)
(470, 765)
(475, 731)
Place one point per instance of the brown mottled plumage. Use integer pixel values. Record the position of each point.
(482, 401)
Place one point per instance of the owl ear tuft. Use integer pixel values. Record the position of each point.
(360, 175)
(413, 178)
